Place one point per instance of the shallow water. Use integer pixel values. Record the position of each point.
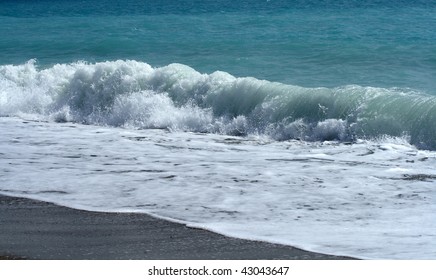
(370, 199)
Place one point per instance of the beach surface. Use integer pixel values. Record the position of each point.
(33, 229)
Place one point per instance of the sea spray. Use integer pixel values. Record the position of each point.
(133, 94)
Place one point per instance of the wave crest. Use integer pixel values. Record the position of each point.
(176, 97)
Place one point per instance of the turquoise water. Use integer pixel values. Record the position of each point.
(305, 43)
(376, 61)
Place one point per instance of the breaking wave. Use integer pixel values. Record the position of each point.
(176, 97)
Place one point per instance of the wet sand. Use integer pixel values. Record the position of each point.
(33, 229)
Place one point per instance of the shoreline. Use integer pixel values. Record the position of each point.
(34, 229)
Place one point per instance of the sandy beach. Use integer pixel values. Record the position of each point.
(33, 229)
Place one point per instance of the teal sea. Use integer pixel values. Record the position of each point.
(341, 94)
(314, 43)
(390, 45)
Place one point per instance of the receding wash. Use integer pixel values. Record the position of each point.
(306, 123)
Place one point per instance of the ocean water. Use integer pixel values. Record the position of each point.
(308, 123)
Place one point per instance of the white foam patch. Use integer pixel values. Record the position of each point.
(369, 199)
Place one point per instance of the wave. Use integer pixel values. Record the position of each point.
(176, 97)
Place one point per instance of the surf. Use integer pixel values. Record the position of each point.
(176, 97)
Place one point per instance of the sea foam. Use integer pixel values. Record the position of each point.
(368, 199)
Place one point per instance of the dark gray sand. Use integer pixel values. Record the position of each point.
(32, 229)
